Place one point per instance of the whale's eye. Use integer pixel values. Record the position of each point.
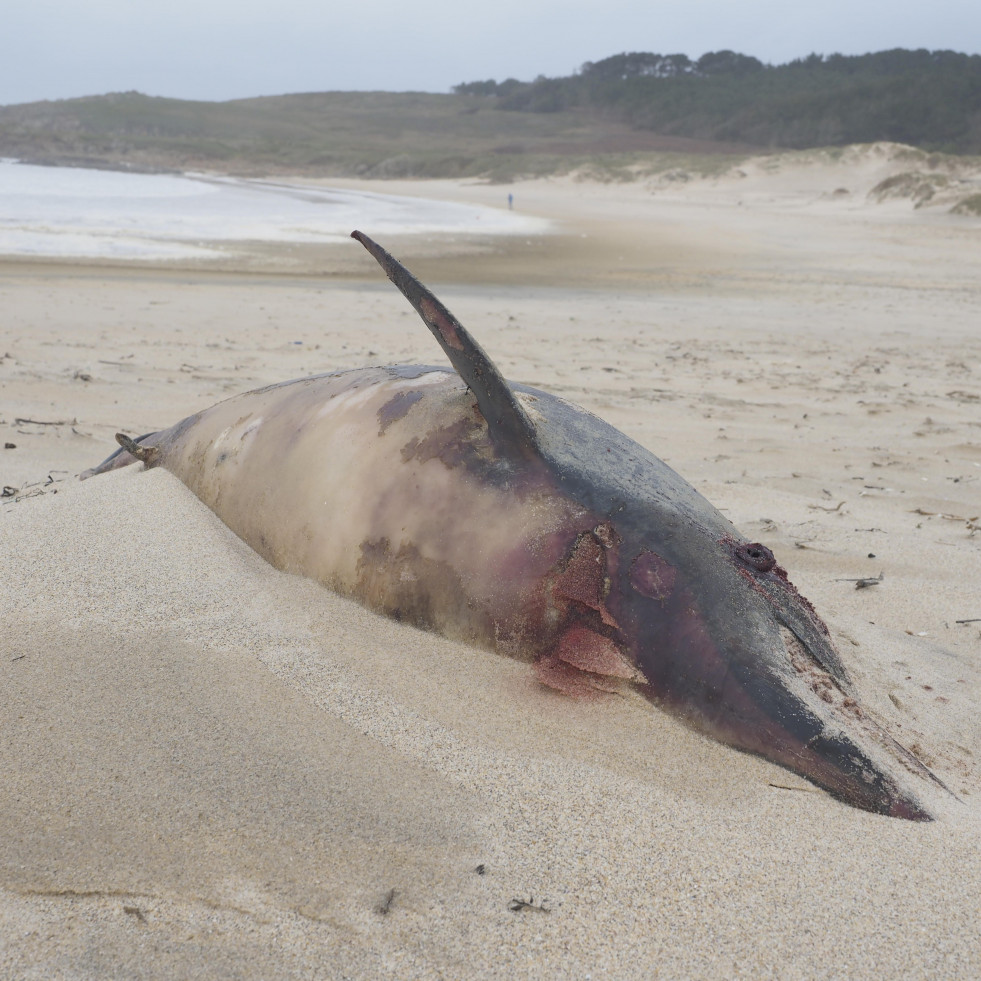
(756, 556)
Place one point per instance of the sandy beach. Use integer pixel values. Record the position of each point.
(212, 769)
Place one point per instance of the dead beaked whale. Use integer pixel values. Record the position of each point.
(506, 517)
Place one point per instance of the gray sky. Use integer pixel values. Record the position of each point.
(225, 49)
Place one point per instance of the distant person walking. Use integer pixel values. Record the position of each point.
(510, 202)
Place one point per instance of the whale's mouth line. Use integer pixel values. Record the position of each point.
(854, 717)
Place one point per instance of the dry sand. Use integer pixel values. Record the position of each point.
(211, 769)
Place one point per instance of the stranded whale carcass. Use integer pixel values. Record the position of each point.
(509, 518)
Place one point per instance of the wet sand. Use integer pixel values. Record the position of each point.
(214, 769)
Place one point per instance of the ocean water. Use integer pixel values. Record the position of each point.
(74, 212)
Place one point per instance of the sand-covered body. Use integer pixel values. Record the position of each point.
(507, 517)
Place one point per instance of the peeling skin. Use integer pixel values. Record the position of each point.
(396, 407)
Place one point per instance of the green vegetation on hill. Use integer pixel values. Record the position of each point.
(368, 134)
(929, 99)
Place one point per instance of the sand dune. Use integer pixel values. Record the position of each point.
(213, 769)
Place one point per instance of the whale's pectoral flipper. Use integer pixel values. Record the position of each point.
(507, 421)
(129, 450)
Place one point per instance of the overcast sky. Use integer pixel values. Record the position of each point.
(226, 49)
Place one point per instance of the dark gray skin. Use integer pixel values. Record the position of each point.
(630, 578)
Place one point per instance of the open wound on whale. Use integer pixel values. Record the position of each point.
(506, 517)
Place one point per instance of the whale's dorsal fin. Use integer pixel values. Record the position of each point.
(507, 421)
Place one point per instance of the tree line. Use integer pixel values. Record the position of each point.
(929, 99)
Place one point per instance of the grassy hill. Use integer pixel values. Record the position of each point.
(369, 134)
